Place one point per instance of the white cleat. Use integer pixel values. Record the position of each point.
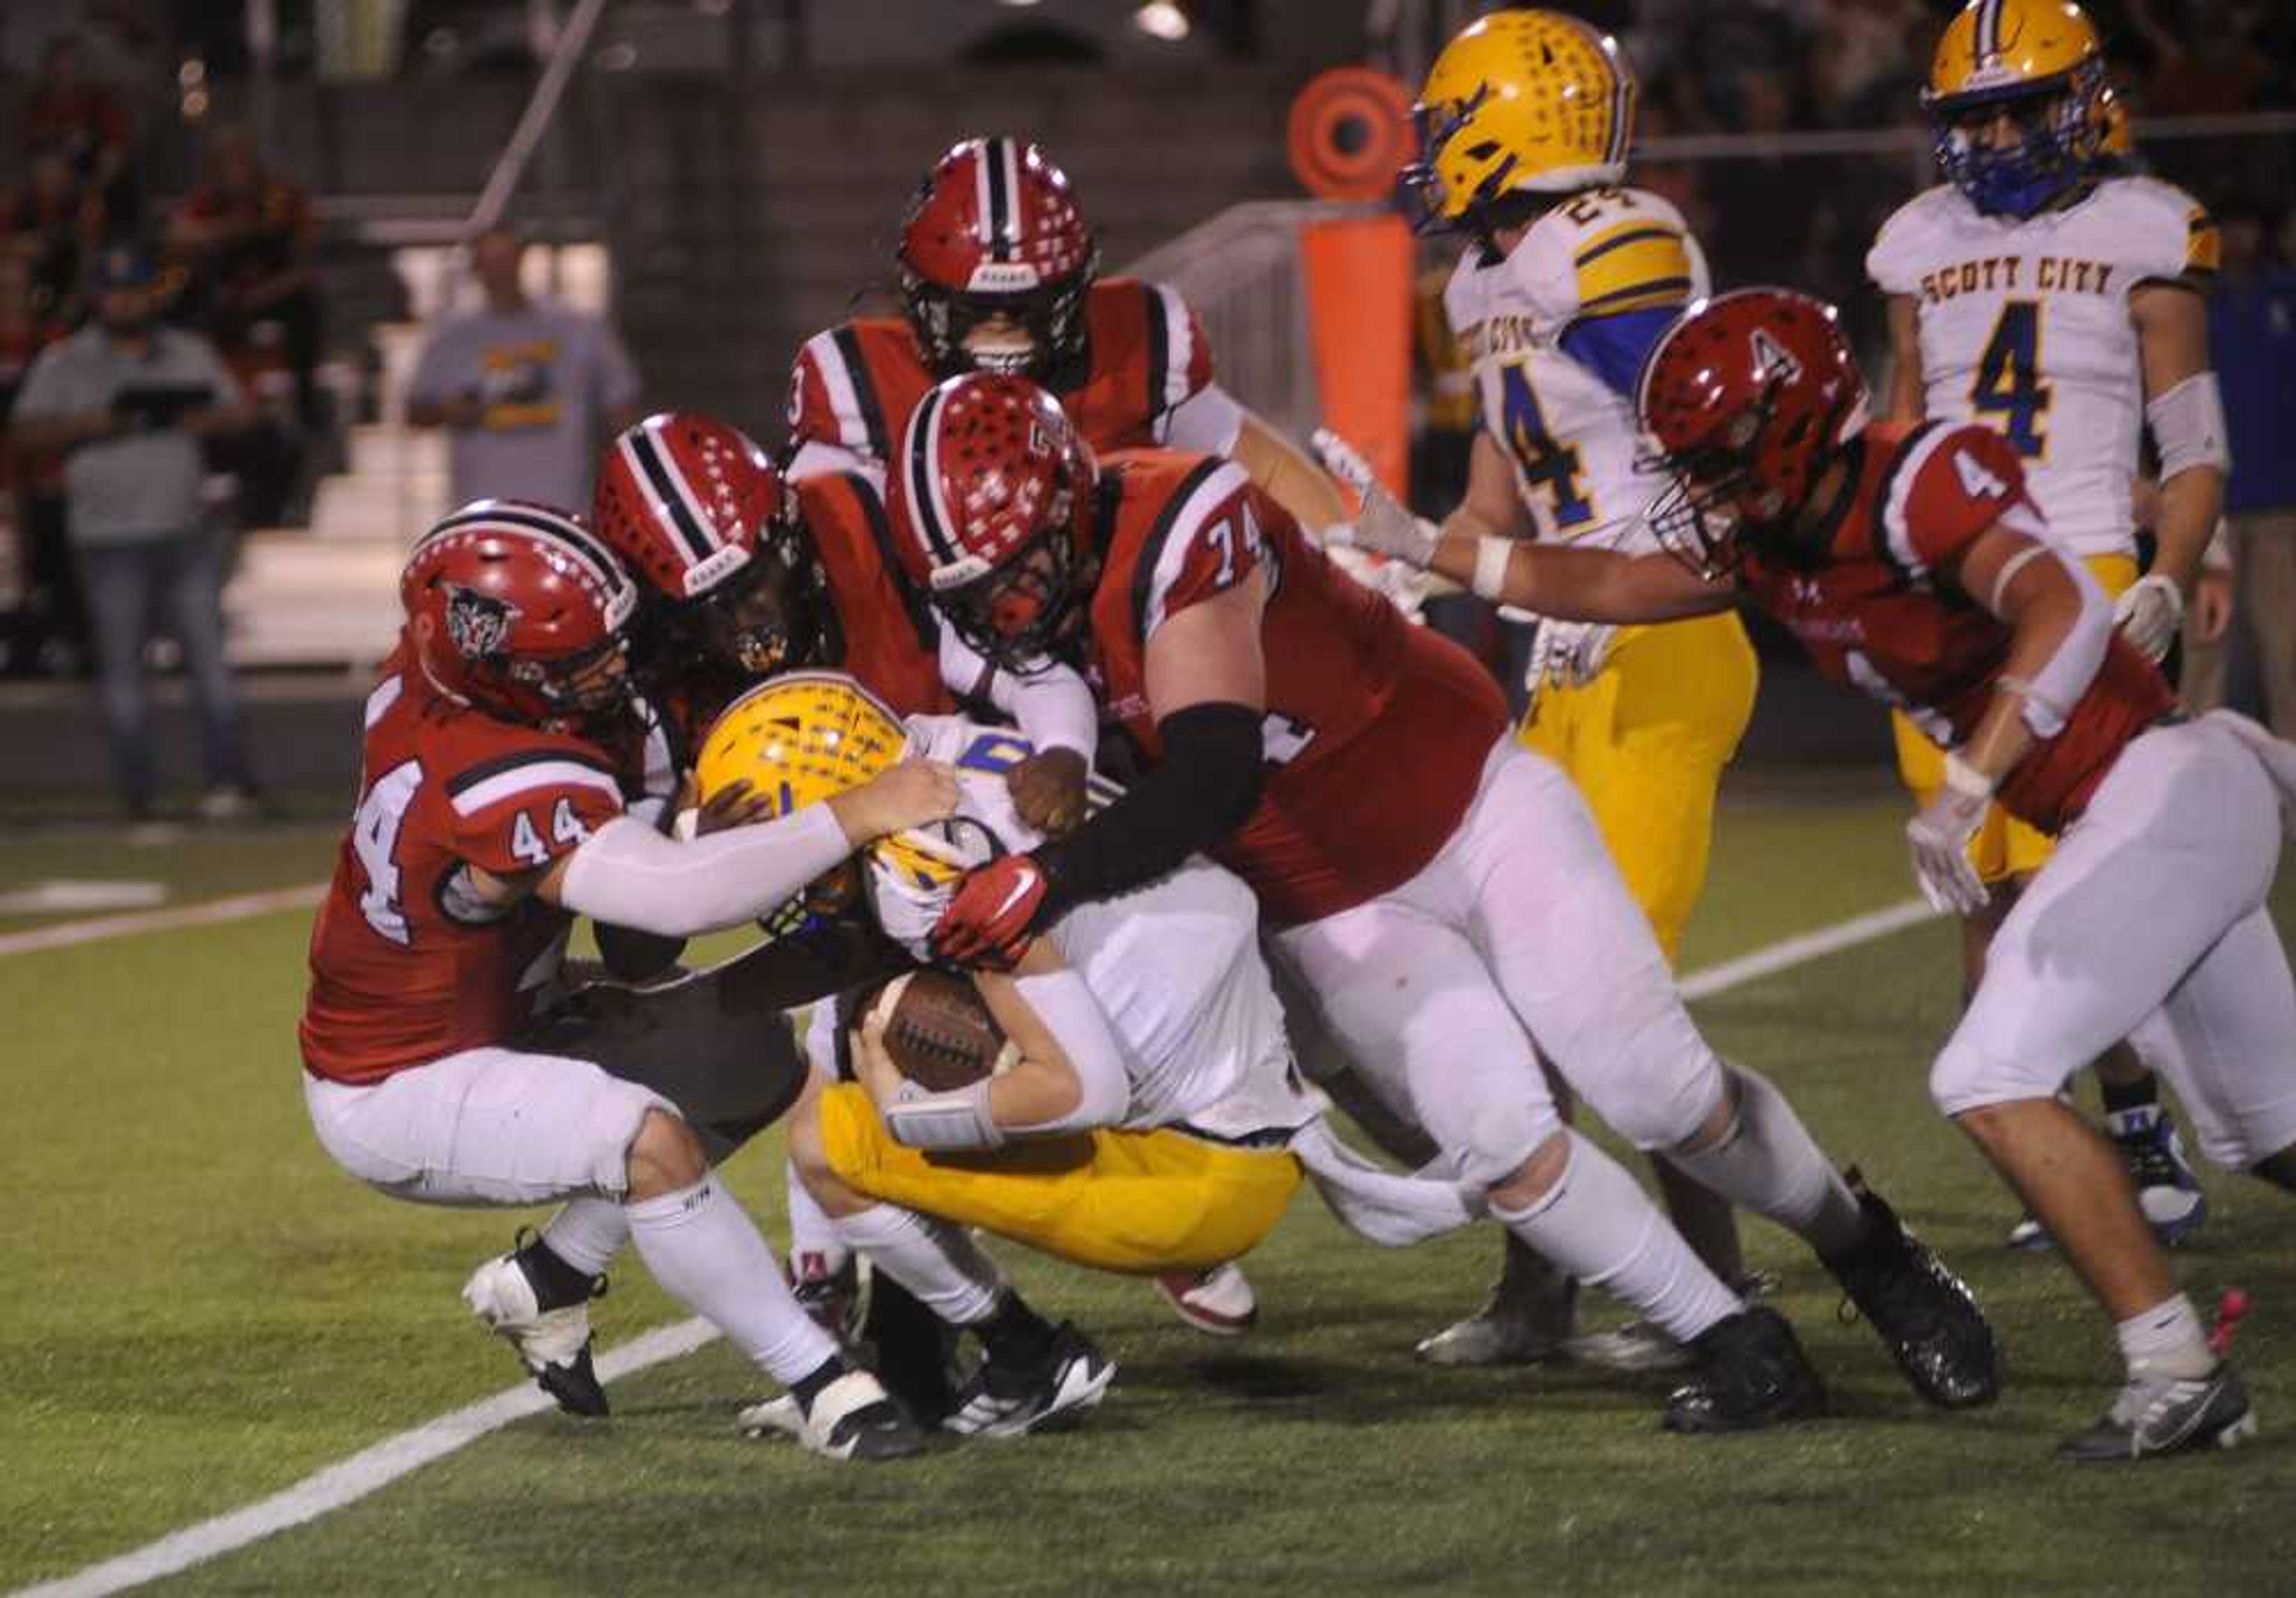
(854, 1417)
(1218, 1302)
(552, 1344)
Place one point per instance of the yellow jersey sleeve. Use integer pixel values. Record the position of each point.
(1630, 265)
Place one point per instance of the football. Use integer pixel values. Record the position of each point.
(940, 1033)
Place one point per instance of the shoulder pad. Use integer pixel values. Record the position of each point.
(1906, 243)
(2165, 235)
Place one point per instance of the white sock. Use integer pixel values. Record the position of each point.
(704, 1250)
(816, 1249)
(939, 1264)
(1597, 1223)
(2167, 1340)
(1767, 1162)
(587, 1234)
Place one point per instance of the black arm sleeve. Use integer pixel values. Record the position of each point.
(1206, 785)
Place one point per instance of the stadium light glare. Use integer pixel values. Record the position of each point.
(1162, 20)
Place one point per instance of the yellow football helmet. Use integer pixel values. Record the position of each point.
(1520, 100)
(805, 737)
(2038, 60)
(799, 740)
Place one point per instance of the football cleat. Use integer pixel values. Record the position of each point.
(2028, 1236)
(1531, 1315)
(2168, 1415)
(1009, 1400)
(552, 1344)
(2167, 1189)
(1926, 1316)
(854, 1417)
(1751, 1373)
(1641, 1345)
(1218, 1302)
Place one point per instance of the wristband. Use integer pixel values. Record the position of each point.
(1962, 778)
(1491, 557)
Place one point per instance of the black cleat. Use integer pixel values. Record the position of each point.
(2168, 1415)
(1752, 1373)
(1925, 1315)
(1009, 1400)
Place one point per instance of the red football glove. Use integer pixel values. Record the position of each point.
(991, 920)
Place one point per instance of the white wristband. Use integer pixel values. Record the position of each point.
(956, 1120)
(1491, 557)
(1962, 778)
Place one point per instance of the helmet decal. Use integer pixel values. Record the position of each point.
(477, 624)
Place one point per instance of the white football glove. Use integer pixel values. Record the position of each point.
(2149, 614)
(1381, 527)
(1940, 836)
(1578, 651)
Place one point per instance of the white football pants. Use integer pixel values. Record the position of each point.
(1519, 931)
(2150, 919)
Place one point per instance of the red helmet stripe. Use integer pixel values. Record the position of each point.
(670, 496)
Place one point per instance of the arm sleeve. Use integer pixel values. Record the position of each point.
(1053, 708)
(631, 875)
(1208, 421)
(1614, 347)
(1079, 1025)
(1206, 786)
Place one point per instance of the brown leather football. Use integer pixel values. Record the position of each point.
(939, 1034)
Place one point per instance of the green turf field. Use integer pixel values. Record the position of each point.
(201, 1310)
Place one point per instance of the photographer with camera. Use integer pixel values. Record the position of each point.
(129, 404)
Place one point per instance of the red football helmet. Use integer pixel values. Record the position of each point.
(994, 231)
(992, 494)
(712, 529)
(517, 610)
(1749, 397)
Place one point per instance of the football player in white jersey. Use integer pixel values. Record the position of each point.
(2045, 292)
(1569, 280)
(1147, 1041)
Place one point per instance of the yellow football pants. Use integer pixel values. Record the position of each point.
(1144, 1203)
(2004, 846)
(1645, 742)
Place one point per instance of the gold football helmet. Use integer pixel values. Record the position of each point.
(2039, 62)
(805, 737)
(1520, 100)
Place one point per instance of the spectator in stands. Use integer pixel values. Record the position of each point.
(49, 632)
(246, 233)
(527, 389)
(52, 226)
(71, 115)
(128, 403)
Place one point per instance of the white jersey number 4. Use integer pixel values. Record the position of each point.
(1976, 481)
(375, 839)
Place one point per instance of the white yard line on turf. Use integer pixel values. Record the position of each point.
(63, 934)
(377, 1467)
(354, 1478)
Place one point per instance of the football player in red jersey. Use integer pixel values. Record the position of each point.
(1000, 272)
(1911, 563)
(492, 810)
(746, 574)
(1442, 890)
